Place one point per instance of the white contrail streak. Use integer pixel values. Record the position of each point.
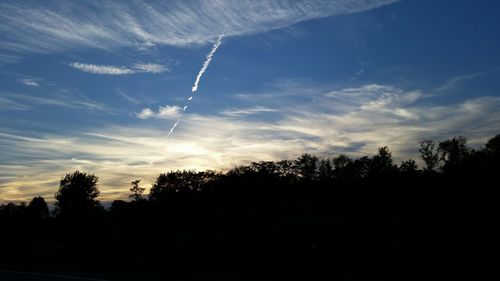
(197, 81)
(173, 127)
(207, 62)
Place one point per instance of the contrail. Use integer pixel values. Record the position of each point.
(180, 117)
(197, 81)
(207, 62)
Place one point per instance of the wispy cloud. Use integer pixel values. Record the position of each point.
(68, 100)
(30, 82)
(120, 70)
(248, 111)
(150, 67)
(101, 69)
(127, 97)
(4, 58)
(30, 26)
(164, 112)
(373, 116)
(9, 104)
(458, 80)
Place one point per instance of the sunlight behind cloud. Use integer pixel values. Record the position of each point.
(376, 115)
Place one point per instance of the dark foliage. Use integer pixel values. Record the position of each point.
(38, 208)
(136, 190)
(429, 154)
(77, 196)
(306, 219)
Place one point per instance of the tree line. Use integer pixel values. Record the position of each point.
(267, 181)
(310, 218)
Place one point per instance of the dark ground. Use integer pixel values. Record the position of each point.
(365, 235)
(366, 219)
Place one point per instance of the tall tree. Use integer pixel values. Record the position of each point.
(136, 190)
(453, 152)
(429, 154)
(382, 162)
(325, 170)
(77, 195)
(306, 166)
(343, 167)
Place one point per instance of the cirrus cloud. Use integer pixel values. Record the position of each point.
(355, 120)
(54, 26)
(120, 70)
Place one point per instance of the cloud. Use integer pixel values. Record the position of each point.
(65, 99)
(132, 100)
(120, 70)
(29, 82)
(164, 112)
(4, 58)
(355, 120)
(146, 113)
(248, 111)
(150, 67)
(52, 26)
(9, 104)
(457, 81)
(168, 112)
(101, 69)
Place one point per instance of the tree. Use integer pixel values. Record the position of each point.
(77, 195)
(136, 190)
(453, 152)
(180, 182)
(325, 170)
(493, 145)
(408, 167)
(38, 208)
(13, 212)
(382, 162)
(429, 154)
(362, 167)
(306, 166)
(343, 167)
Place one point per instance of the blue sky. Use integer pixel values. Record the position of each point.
(96, 86)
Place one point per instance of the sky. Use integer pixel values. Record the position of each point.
(96, 86)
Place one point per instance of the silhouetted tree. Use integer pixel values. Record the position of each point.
(325, 170)
(136, 190)
(493, 145)
(382, 162)
(177, 182)
(453, 152)
(77, 195)
(408, 167)
(12, 211)
(38, 208)
(343, 167)
(362, 167)
(306, 167)
(429, 154)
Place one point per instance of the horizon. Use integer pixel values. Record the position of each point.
(98, 90)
